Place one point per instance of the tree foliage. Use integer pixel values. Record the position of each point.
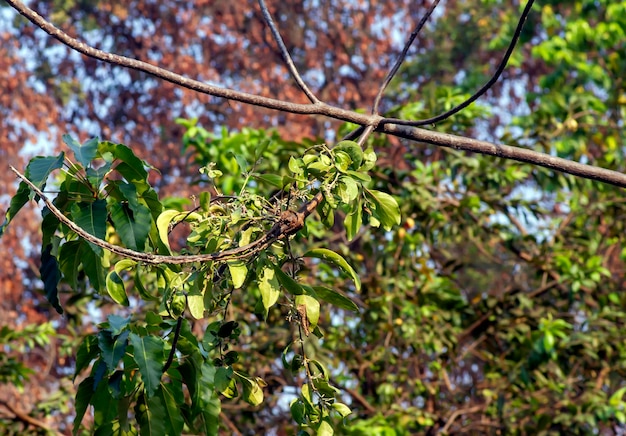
(371, 286)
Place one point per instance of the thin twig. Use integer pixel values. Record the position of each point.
(285, 53)
(454, 415)
(356, 395)
(402, 56)
(231, 426)
(481, 91)
(288, 224)
(363, 138)
(27, 419)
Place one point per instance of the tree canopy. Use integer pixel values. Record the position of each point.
(251, 223)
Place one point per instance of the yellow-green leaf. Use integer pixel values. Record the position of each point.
(269, 287)
(238, 272)
(116, 289)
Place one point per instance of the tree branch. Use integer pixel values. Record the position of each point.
(459, 412)
(481, 91)
(507, 152)
(185, 82)
(28, 420)
(288, 224)
(285, 53)
(390, 126)
(402, 56)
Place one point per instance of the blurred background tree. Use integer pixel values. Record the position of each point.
(495, 307)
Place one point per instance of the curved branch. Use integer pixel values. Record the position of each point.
(288, 224)
(402, 56)
(481, 91)
(285, 53)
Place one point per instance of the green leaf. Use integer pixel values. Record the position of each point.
(349, 189)
(50, 276)
(70, 258)
(384, 207)
(149, 412)
(132, 168)
(327, 213)
(224, 382)
(129, 191)
(104, 405)
(172, 417)
(132, 226)
(18, 201)
(616, 399)
(148, 353)
(312, 307)
(49, 224)
(84, 393)
(241, 162)
(238, 272)
(342, 409)
(163, 222)
(84, 153)
(274, 180)
(252, 392)
(335, 298)
(293, 287)
(337, 260)
(112, 347)
(39, 168)
(363, 177)
(123, 265)
(151, 199)
(116, 288)
(97, 175)
(92, 265)
(91, 217)
(353, 150)
(548, 341)
(295, 165)
(117, 323)
(269, 286)
(325, 429)
(209, 402)
(195, 303)
(354, 220)
(298, 411)
(87, 352)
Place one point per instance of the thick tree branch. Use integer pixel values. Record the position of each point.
(390, 126)
(507, 152)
